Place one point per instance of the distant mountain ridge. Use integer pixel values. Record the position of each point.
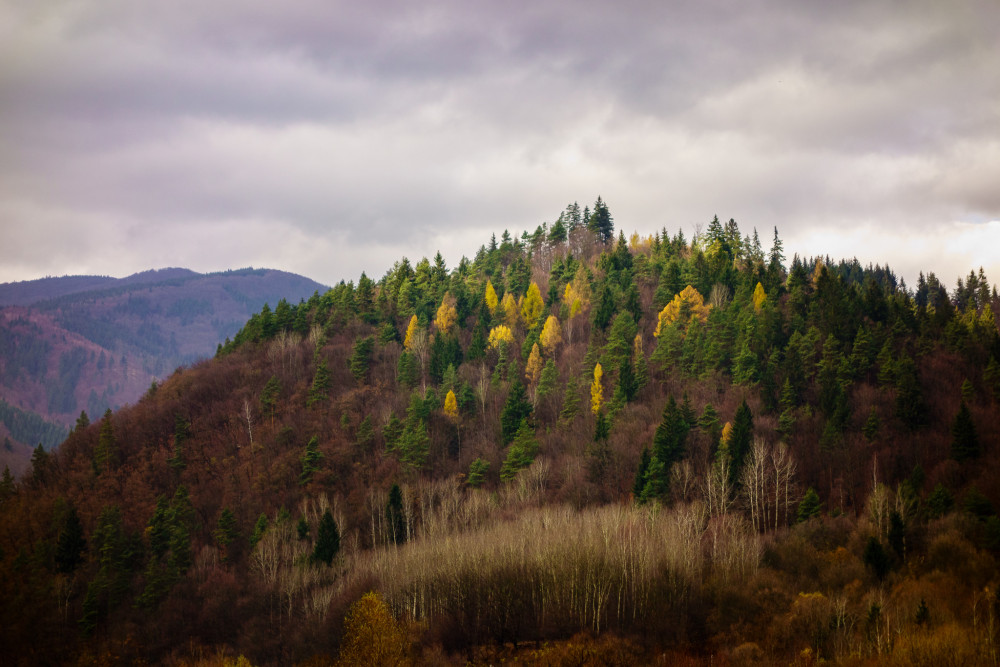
(77, 343)
(28, 292)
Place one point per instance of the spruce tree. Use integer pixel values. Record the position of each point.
(516, 409)
(809, 506)
(739, 440)
(361, 355)
(640, 475)
(327, 540)
(71, 544)
(965, 441)
(394, 515)
(671, 434)
(259, 529)
(106, 453)
(227, 535)
(320, 388)
(310, 460)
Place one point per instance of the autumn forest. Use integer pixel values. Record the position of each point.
(576, 447)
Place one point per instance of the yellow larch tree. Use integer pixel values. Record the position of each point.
(533, 368)
(451, 405)
(447, 315)
(551, 335)
(637, 243)
(597, 390)
(500, 335)
(687, 305)
(727, 433)
(411, 330)
(759, 297)
(491, 297)
(532, 305)
(510, 310)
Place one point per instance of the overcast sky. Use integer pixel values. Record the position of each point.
(327, 138)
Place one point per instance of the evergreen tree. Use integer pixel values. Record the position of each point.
(876, 558)
(394, 515)
(158, 528)
(939, 502)
(407, 369)
(516, 409)
(872, 425)
(259, 529)
(8, 487)
(521, 453)
(641, 475)
(809, 506)
(601, 222)
(319, 391)
(671, 435)
(106, 453)
(71, 544)
(991, 378)
(361, 357)
(365, 436)
(910, 406)
(965, 441)
(327, 540)
(740, 439)
(227, 535)
(621, 340)
(571, 401)
(269, 398)
(477, 472)
(310, 461)
(302, 528)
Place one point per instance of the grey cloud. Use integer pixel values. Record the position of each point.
(399, 125)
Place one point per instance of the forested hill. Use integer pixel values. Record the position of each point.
(88, 342)
(632, 450)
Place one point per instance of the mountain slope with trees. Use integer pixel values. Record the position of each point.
(89, 342)
(574, 446)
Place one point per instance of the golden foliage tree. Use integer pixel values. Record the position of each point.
(727, 434)
(759, 297)
(510, 310)
(597, 390)
(371, 634)
(533, 369)
(499, 335)
(532, 306)
(491, 298)
(446, 314)
(451, 405)
(411, 330)
(687, 305)
(551, 335)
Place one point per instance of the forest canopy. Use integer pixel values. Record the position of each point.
(687, 447)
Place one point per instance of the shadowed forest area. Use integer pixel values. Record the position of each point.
(574, 448)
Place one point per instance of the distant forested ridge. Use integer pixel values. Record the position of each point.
(89, 343)
(575, 447)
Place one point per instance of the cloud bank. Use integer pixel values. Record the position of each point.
(328, 138)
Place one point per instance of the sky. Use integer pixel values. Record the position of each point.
(329, 138)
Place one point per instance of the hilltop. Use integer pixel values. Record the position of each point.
(572, 447)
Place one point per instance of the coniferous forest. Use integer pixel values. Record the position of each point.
(575, 448)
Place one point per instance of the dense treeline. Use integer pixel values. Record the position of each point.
(670, 445)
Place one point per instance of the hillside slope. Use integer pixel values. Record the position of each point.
(89, 343)
(684, 450)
